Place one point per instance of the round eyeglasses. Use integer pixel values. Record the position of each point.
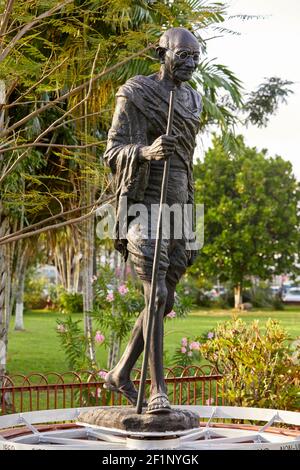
(183, 55)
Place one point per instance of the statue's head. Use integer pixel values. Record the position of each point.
(179, 53)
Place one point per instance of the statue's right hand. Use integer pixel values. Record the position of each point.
(163, 147)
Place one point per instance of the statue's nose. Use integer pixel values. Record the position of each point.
(190, 61)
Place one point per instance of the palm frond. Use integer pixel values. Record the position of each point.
(248, 17)
(222, 30)
(212, 77)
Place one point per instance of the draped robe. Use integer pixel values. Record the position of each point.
(140, 117)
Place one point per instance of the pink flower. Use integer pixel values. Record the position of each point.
(210, 335)
(99, 337)
(184, 342)
(172, 314)
(190, 353)
(183, 350)
(110, 296)
(209, 401)
(61, 328)
(123, 289)
(102, 374)
(128, 269)
(195, 345)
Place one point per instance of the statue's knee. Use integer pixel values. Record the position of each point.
(161, 294)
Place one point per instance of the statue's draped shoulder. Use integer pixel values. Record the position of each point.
(150, 97)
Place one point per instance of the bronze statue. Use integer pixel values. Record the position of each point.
(136, 149)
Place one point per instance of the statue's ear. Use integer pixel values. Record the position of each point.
(161, 52)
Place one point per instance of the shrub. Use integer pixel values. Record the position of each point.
(187, 353)
(183, 301)
(74, 343)
(258, 364)
(221, 302)
(195, 288)
(277, 303)
(35, 292)
(69, 302)
(117, 304)
(260, 297)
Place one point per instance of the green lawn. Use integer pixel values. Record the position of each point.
(38, 348)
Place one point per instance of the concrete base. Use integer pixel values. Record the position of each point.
(126, 419)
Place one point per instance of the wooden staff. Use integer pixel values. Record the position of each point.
(151, 305)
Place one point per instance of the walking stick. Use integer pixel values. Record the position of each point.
(151, 306)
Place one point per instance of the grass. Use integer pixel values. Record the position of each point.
(38, 348)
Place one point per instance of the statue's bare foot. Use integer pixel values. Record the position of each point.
(125, 387)
(159, 403)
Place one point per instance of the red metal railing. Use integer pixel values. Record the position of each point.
(191, 385)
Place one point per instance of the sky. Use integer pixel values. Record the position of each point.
(266, 47)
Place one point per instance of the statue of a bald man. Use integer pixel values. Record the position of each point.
(136, 150)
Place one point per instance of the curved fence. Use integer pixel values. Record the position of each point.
(191, 385)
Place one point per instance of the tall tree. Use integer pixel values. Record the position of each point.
(252, 222)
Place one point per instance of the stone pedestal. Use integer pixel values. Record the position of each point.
(126, 419)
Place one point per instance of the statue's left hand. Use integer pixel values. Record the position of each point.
(163, 147)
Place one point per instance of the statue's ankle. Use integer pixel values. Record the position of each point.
(117, 377)
(159, 389)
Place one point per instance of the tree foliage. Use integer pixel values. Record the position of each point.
(264, 102)
(53, 125)
(61, 63)
(251, 220)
